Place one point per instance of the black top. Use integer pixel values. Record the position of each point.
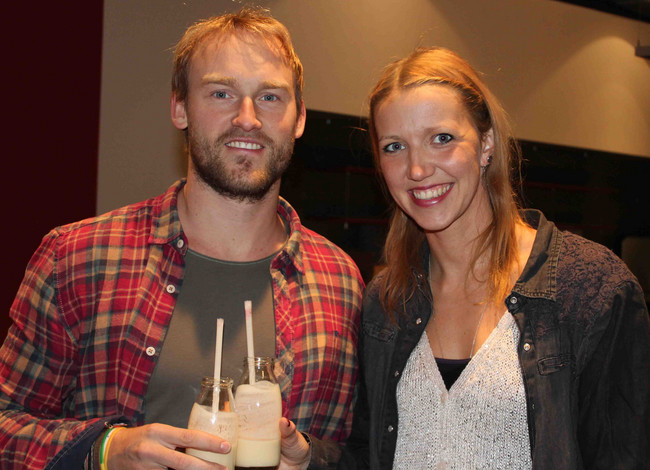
(450, 369)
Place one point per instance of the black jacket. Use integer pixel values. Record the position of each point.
(584, 351)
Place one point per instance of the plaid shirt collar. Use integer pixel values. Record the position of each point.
(166, 223)
(167, 227)
(291, 253)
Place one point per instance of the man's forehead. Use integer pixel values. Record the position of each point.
(215, 42)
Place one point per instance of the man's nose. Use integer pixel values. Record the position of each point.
(246, 117)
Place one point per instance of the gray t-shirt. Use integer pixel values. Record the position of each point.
(211, 289)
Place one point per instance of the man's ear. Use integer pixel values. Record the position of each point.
(300, 120)
(178, 113)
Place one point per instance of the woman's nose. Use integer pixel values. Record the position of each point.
(419, 167)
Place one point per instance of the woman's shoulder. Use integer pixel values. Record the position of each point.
(588, 260)
(591, 280)
(373, 308)
(375, 322)
(372, 293)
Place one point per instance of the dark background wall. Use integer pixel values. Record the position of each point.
(51, 82)
(332, 184)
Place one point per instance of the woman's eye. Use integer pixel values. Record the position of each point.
(443, 138)
(393, 147)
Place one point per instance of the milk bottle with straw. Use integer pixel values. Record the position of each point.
(259, 408)
(214, 410)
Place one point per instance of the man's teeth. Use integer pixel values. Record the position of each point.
(432, 193)
(244, 145)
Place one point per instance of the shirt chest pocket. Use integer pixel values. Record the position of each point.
(381, 333)
(553, 347)
(378, 347)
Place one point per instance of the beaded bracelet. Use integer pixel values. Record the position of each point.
(106, 441)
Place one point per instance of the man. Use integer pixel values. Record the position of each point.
(111, 320)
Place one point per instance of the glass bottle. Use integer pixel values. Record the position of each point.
(220, 420)
(259, 406)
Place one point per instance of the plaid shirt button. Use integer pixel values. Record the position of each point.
(171, 289)
(151, 351)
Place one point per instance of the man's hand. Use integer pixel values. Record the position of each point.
(295, 451)
(154, 446)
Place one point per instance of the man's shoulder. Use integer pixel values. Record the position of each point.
(316, 252)
(329, 271)
(134, 220)
(112, 220)
(315, 246)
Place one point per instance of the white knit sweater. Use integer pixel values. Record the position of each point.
(480, 423)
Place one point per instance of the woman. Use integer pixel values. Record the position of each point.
(491, 339)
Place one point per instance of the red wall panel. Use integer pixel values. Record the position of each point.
(51, 93)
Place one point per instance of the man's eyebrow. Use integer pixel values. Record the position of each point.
(213, 79)
(218, 79)
(274, 86)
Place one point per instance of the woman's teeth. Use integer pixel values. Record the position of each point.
(432, 192)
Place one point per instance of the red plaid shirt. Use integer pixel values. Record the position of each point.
(96, 301)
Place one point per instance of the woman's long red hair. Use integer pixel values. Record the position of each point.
(439, 66)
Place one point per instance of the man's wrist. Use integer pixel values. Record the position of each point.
(95, 452)
(94, 458)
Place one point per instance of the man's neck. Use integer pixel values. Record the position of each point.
(229, 229)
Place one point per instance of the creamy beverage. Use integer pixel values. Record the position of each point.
(223, 424)
(259, 407)
(258, 453)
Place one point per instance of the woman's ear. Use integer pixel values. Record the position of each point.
(487, 147)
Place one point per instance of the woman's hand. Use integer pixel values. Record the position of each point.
(295, 449)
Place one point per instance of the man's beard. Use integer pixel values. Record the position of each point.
(235, 179)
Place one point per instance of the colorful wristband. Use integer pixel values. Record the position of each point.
(106, 442)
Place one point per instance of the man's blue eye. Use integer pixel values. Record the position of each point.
(269, 98)
(221, 94)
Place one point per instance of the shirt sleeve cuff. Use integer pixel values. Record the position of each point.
(324, 453)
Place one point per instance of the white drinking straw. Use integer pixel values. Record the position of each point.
(248, 309)
(217, 367)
